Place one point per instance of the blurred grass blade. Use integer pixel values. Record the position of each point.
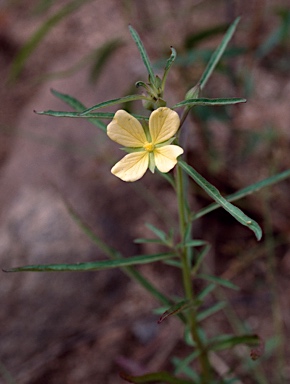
(94, 266)
(219, 281)
(35, 39)
(246, 191)
(102, 56)
(211, 311)
(212, 191)
(156, 377)
(119, 100)
(143, 54)
(228, 341)
(196, 38)
(98, 57)
(169, 63)
(218, 54)
(203, 101)
(205, 292)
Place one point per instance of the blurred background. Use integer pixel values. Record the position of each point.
(86, 327)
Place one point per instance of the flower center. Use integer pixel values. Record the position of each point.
(149, 146)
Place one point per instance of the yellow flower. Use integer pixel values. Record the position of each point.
(149, 149)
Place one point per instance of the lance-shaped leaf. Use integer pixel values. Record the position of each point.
(92, 115)
(228, 341)
(203, 101)
(245, 192)
(78, 106)
(218, 54)
(94, 266)
(169, 63)
(211, 311)
(177, 308)
(219, 281)
(119, 100)
(156, 377)
(143, 54)
(213, 192)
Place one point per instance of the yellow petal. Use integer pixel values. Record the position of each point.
(126, 130)
(132, 167)
(166, 157)
(163, 124)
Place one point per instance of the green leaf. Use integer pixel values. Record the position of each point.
(119, 100)
(215, 194)
(148, 241)
(245, 192)
(159, 233)
(228, 341)
(203, 101)
(143, 54)
(35, 39)
(181, 365)
(89, 116)
(205, 292)
(192, 243)
(177, 308)
(211, 311)
(199, 259)
(78, 106)
(94, 266)
(218, 54)
(169, 63)
(218, 280)
(156, 377)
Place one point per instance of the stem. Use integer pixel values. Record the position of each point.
(186, 276)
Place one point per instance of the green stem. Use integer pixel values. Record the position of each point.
(186, 275)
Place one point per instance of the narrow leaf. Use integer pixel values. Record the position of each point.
(219, 281)
(89, 116)
(215, 194)
(169, 63)
(245, 192)
(93, 266)
(78, 106)
(177, 308)
(228, 341)
(218, 54)
(211, 311)
(119, 100)
(205, 292)
(143, 53)
(203, 101)
(158, 232)
(156, 377)
(193, 243)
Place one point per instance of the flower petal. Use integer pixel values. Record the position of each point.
(163, 124)
(166, 157)
(126, 130)
(132, 167)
